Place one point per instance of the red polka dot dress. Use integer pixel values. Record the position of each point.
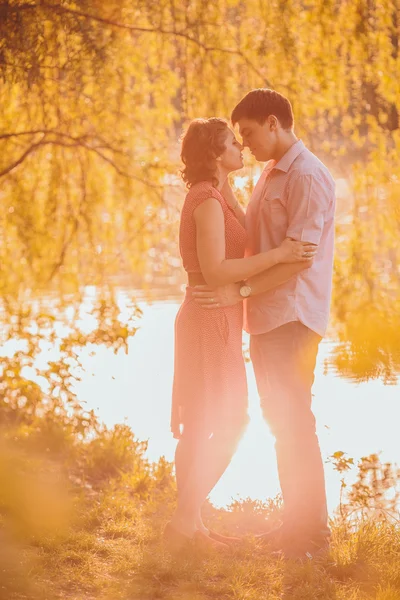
(210, 387)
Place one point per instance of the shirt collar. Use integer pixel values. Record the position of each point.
(290, 156)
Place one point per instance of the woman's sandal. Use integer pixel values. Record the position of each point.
(204, 541)
(177, 541)
(231, 541)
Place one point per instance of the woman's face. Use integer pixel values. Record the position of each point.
(231, 159)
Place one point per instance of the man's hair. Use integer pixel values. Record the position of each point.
(259, 104)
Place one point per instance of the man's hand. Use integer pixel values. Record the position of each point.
(226, 295)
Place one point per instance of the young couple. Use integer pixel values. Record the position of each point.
(268, 270)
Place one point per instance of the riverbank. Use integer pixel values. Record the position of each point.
(118, 554)
(87, 525)
(82, 507)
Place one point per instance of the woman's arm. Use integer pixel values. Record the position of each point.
(210, 240)
(228, 295)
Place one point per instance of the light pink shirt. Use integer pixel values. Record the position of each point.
(293, 198)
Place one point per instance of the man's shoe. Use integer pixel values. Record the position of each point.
(282, 537)
(303, 552)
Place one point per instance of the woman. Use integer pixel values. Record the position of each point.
(209, 408)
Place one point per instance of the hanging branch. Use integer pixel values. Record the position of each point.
(134, 28)
(70, 141)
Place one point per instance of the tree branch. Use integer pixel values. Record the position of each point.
(157, 30)
(75, 141)
(21, 159)
(67, 242)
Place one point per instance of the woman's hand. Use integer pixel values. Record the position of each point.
(225, 295)
(291, 251)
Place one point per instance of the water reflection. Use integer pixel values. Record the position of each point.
(358, 418)
(369, 346)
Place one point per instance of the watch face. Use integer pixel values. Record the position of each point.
(245, 291)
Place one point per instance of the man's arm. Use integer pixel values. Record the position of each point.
(307, 205)
(308, 202)
(275, 276)
(228, 295)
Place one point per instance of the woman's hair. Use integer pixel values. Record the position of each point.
(202, 144)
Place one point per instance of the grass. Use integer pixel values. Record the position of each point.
(113, 549)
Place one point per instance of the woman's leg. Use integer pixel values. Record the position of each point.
(184, 463)
(201, 460)
(184, 457)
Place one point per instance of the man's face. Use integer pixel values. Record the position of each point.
(262, 139)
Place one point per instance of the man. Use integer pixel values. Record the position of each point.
(287, 307)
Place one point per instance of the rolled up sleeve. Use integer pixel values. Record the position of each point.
(308, 204)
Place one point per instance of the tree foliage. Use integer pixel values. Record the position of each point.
(94, 96)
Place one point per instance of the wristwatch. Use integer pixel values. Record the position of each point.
(245, 290)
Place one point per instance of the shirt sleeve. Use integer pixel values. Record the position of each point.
(308, 203)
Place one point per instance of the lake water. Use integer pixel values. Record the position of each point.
(358, 419)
